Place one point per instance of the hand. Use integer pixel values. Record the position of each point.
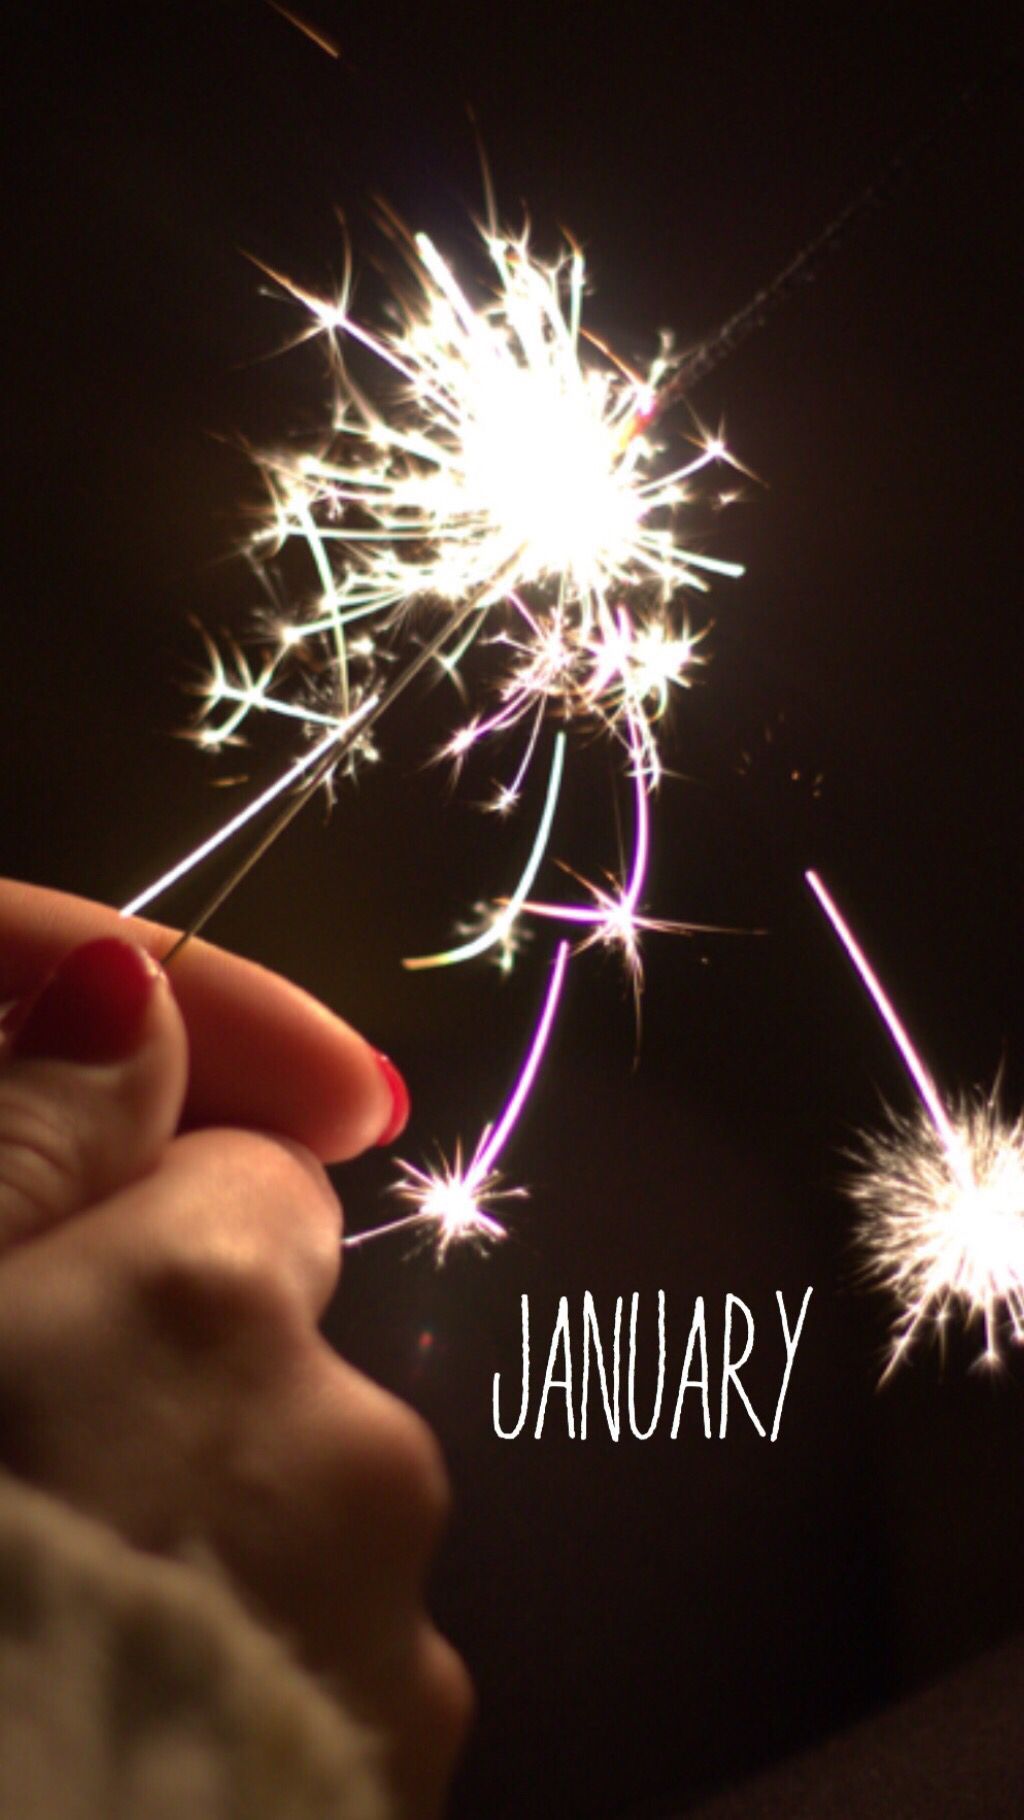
(160, 1366)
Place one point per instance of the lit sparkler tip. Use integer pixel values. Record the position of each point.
(451, 1205)
(941, 1195)
(938, 1246)
(504, 801)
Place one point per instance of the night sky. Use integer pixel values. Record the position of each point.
(645, 1621)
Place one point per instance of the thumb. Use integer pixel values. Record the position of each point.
(93, 1068)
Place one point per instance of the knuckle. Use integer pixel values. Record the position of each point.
(412, 1475)
(393, 1479)
(45, 1168)
(442, 1708)
(448, 1693)
(245, 1262)
(217, 1291)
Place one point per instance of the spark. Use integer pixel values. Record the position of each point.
(612, 914)
(941, 1195)
(499, 925)
(454, 1202)
(492, 499)
(514, 447)
(312, 32)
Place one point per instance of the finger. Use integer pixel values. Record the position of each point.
(92, 1077)
(263, 1052)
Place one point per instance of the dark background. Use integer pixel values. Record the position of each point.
(647, 1621)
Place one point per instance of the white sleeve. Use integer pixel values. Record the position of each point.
(137, 1688)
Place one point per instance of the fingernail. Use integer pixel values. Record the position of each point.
(399, 1099)
(91, 1009)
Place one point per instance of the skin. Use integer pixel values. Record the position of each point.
(168, 1243)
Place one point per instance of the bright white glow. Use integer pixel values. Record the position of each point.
(939, 1244)
(941, 1194)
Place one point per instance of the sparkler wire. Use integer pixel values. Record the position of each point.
(314, 759)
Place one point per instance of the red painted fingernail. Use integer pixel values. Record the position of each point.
(399, 1099)
(91, 1009)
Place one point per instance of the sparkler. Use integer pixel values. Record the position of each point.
(941, 1194)
(513, 489)
(511, 494)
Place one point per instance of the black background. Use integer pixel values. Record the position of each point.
(650, 1620)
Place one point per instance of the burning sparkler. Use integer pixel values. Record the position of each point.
(512, 495)
(941, 1194)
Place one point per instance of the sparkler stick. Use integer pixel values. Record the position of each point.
(314, 761)
(941, 1196)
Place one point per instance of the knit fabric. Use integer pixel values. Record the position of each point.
(135, 1688)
